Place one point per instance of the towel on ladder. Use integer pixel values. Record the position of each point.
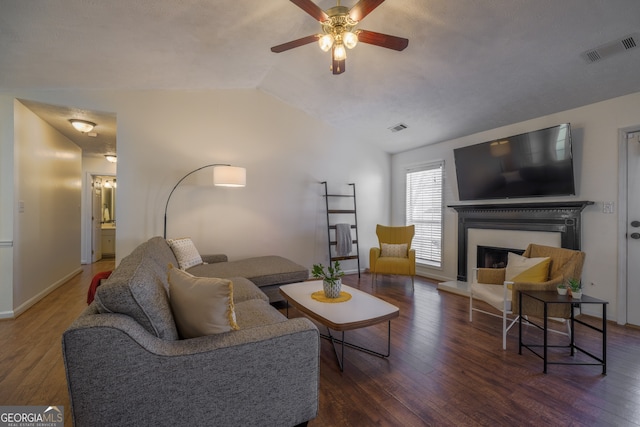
(343, 239)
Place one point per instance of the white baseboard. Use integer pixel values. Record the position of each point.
(29, 303)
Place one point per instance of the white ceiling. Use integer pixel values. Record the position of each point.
(470, 65)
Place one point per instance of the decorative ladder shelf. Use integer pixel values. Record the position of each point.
(331, 225)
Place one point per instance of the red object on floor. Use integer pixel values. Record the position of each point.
(95, 282)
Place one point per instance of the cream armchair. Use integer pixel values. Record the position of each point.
(394, 254)
(490, 286)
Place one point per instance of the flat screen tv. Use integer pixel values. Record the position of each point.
(532, 164)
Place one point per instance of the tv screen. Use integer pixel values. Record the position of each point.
(532, 164)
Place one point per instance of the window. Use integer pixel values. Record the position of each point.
(424, 210)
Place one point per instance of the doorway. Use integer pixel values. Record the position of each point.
(629, 227)
(103, 216)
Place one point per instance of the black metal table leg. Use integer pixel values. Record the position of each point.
(544, 332)
(520, 323)
(343, 343)
(604, 339)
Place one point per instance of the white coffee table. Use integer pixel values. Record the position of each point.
(360, 311)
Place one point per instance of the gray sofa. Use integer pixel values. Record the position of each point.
(266, 272)
(126, 364)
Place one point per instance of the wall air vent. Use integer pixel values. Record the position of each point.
(611, 48)
(398, 127)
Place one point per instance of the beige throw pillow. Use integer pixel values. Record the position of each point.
(185, 252)
(201, 305)
(531, 270)
(396, 251)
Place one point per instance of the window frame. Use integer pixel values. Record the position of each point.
(409, 220)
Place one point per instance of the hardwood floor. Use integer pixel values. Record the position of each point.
(443, 370)
(31, 368)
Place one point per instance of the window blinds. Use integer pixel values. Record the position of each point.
(424, 210)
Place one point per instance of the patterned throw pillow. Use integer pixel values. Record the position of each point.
(185, 252)
(201, 305)
(396, 251)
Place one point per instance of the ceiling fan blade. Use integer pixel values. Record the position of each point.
(363, 8)
(294, 43)
(312, 9)
(383, 40)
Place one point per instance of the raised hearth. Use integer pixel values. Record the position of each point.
(558, 217)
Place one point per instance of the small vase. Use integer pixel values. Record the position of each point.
(562, 291)
(332, 290)
(576, 294)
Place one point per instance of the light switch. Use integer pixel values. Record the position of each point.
(608, 207)
(21, 206)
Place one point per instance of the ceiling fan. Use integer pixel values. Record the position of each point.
(338, 31)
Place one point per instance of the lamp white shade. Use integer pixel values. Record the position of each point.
(229, 176)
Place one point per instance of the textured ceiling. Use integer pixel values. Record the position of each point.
(470, 65)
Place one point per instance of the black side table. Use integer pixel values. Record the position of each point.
(551, 297)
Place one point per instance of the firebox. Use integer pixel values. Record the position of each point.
(494, 257)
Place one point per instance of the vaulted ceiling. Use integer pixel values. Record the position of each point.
(470, 65)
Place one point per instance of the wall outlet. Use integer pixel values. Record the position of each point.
(608, 207)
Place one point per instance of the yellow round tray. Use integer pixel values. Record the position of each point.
(319, 296)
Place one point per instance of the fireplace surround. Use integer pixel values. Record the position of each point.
(559, 217)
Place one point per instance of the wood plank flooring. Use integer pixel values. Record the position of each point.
(443, 370)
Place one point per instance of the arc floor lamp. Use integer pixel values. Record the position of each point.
(224, 175)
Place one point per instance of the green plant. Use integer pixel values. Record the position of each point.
(573, 284)
(330, 275)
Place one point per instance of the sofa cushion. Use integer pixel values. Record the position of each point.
(201, 305)
(185, 252)
(492, 294)
(263, 271)
(138, 288)
(244, 290)
(254, 313)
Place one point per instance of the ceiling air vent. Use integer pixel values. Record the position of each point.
(611, 48)
(398, 127)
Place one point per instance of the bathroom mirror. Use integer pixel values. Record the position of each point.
(108, 186)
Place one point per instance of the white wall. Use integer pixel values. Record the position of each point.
(47, 217)
(162, 135)
(6, 206)
(595, 148)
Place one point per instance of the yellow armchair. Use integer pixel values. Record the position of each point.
(394, 254)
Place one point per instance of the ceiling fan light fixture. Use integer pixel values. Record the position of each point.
(325, 42)
(83, 126)
(339, 52)
(339, 31)
(349, 39)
